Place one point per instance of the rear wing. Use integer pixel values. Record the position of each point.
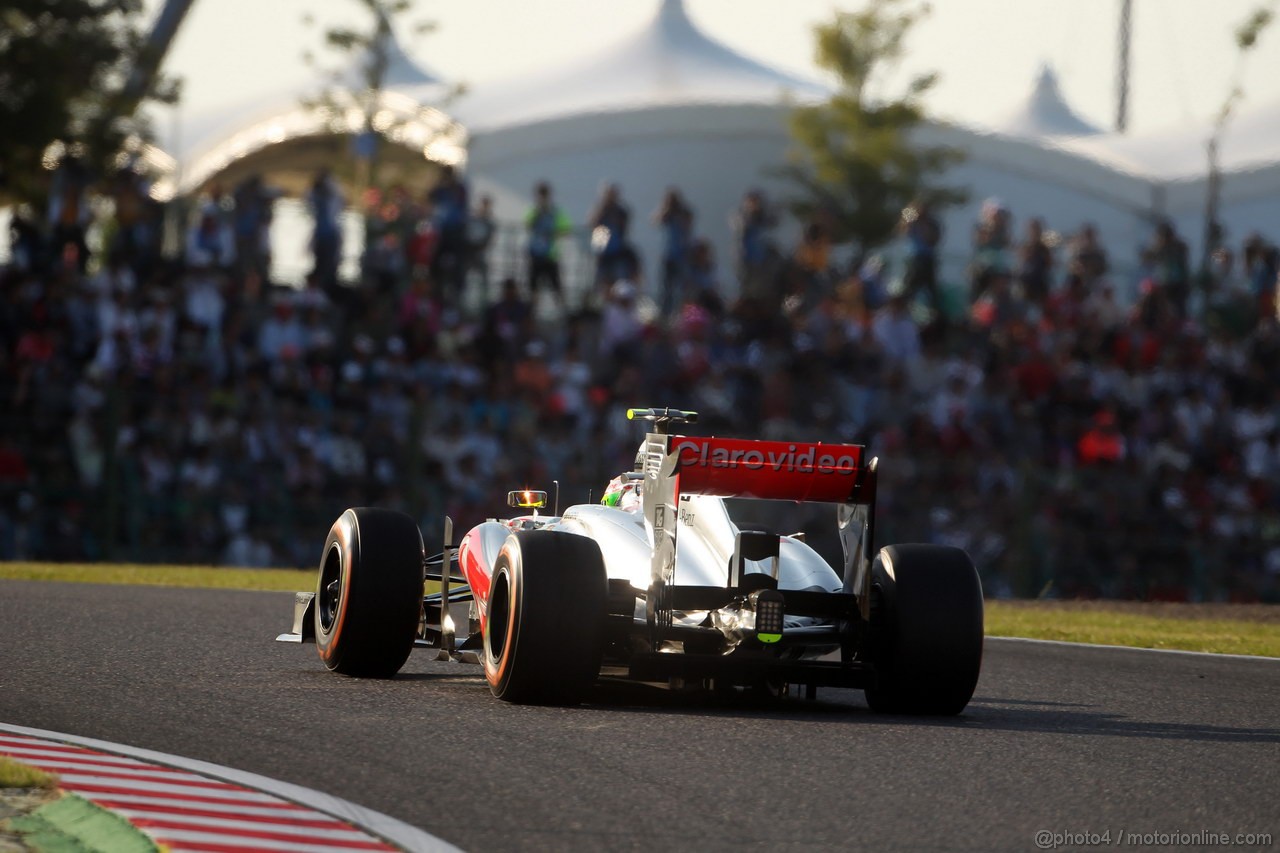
(772, 470)
(677, 465)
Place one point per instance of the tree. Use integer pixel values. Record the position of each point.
(368, 48)
(63, 69)
(1246, 37)
(857, 165)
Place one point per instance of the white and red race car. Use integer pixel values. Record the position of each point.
(658, 584)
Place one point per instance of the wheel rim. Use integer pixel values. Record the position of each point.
(495, 632)
(330, 591)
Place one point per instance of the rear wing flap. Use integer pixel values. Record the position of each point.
(771, 470)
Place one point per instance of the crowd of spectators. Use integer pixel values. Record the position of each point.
(185, 409)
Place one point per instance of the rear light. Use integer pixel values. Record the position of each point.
(769, 606)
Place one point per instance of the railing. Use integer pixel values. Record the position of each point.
(506, 256)
(291, 256)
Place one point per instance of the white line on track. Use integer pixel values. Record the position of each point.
(1133, 649)
(395, 831)
(256, 844)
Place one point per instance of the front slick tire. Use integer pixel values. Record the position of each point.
(926, 638)
(544, 634)
(369, 595)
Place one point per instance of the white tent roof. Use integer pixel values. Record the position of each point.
(668, 62)
(1251, 141)
(401, 72)
(215, 140)
(1045, 113)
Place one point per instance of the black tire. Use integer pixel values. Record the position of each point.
(544, 634)
(926, 630)
(369, 595)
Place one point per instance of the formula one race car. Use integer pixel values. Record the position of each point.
(657, 584)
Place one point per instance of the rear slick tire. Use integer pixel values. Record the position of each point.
(927, 633)
(544, 631)
(369, 595)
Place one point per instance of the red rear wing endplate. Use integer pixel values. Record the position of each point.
(770, 470)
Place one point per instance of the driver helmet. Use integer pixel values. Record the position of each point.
(623, 492)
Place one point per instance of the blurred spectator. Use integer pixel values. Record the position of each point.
(281, 335)
(609, 223)
(326, 204)
(896, 332)
(1103, 443)
(211, 241)
(620, 325)
(998, 304)
(1261, 267)
(423, 244)
(507, 322)
(204, 306)
(704, 280)
(115, 275)
(752, 226)
(545, 223)
(137, 233)
(991, 244)
(69, 213)
(1166, 261)
(14, 471)
(26, 243)
(450, 202)
(254, 202)
(675, 218)
(420, 310)
(1088, 259)
(1035, 263)
(396, 239)
(480, 231)
(923, 235)
(813, 255)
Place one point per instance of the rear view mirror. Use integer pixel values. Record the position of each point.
(527, 499)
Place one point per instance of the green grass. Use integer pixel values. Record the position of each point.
(15, 775)
(1226, 628)
(72, 823)
(1221, 628)
(205, 577)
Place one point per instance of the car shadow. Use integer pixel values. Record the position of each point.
(458, 675)
(313, 675)
(983, 714)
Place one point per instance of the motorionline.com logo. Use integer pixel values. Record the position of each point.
(1047, 840)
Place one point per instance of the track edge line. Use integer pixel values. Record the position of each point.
(1076, 645)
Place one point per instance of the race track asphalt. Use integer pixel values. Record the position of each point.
(1061, 739)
